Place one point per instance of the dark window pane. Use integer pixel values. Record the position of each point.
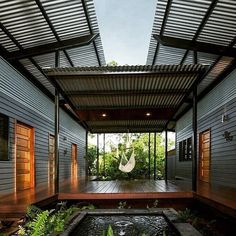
(4, 121)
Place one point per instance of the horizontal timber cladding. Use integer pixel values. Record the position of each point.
(220, 101)
(22, 101)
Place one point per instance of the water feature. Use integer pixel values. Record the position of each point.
(124, 225)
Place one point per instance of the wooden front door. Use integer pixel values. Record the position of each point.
(74, 165)
(51, 160)
(24, 157)
(205, 156)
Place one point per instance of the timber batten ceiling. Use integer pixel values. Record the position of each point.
(195, 31)
(32, 31)
(125, 94)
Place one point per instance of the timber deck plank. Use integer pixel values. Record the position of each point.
(15, 204)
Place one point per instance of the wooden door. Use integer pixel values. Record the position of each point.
(24, 157)
(74, 165)
(205, 156)
(51, 160)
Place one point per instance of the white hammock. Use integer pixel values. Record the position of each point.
(129, 166)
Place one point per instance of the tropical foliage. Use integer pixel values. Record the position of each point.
(109, 160)
(40, 223)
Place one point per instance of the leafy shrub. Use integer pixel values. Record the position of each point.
(44, 222)
(186, 216)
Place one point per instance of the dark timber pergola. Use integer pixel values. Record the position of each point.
(64, 35)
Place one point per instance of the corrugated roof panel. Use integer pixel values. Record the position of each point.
(169, 55)
(26, 23)
(183, 21)
(185, 17)
(70, 12)
(83, 56)
(120, 82)
(63, 60)
(46, 60)
(134, 101)
(205, 58)
(6, 42)
(221, 25)
(37, 74)
(212, 76)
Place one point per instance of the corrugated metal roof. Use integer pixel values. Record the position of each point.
(26, 24)
(126, 87)
(198, 21)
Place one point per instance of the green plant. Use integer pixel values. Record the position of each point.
(109, 231)
(123, 205)
(46, 223)
(32, 211)
(39, 226)
(186, 216)
(88, 207)
(155, 204)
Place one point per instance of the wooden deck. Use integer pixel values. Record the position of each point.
(218, 196)
(136, 189)
(14, 205)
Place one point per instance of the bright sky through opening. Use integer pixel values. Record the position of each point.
(125, 28)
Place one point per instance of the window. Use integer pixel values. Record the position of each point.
(4, 120)
(185, 150)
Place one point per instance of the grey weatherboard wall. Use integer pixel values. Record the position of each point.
(22, 101)
(221, 100)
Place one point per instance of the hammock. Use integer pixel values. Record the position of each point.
(130, 164)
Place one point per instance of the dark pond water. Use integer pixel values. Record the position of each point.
(150, 225)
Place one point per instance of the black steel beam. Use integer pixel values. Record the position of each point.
(51, 47)
(201, 26)
(97, 162)
(166, 155)
(104, 154)
(111, 131)
(155, 156)
(167, 10)
(149, 155)
(91, 31)
(126, 92)
(112, 107)
(71, 75)
(196, 46)
(194, 141)
(195, 57)
(40, 6)
(127, 127)
(56, 144)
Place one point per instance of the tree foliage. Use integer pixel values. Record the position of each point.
(110, 160)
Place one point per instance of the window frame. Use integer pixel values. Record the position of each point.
(185, 149)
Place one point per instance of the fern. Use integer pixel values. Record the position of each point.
(33, 211)
(38, 227)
